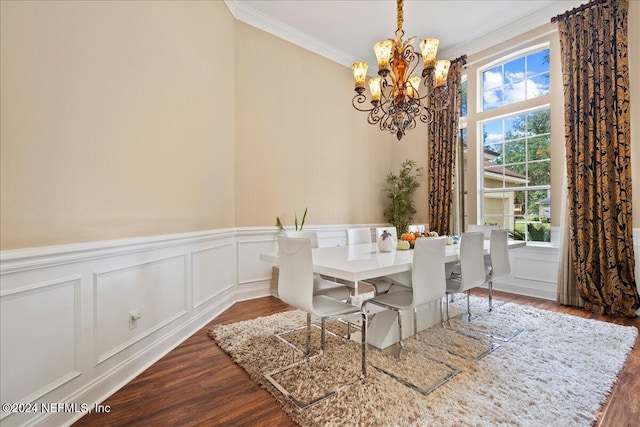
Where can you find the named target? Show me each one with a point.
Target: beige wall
(299, 142)
(117, 120)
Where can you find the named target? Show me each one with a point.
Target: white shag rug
(558, 371)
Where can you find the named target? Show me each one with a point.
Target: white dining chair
(357, 236)
(311, 235)
(472, 271)
(500, 265)
(484, 228)
(321, 285)
(362, 235)
(472, 274)
(428, 285)
(420, 228)
(428, 282)
(296, 288)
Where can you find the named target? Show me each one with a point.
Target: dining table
(359, 262)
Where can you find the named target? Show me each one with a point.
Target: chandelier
(397, 96)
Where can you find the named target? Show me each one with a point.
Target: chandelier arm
(426, 115)
(374, 116)
(361, 99)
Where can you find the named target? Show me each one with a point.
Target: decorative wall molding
(211, 270)
(111, 320)
(45, 335)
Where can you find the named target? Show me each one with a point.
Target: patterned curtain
(593, 41)
(443, 145)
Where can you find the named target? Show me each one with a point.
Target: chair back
(500, 265)
(420, 228)
(472, 266)
(295, 283)
(486, 229)
(311, 235)
(358, 235)
(428, 277)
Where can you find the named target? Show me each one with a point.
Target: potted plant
(400, 189)
(295, 223)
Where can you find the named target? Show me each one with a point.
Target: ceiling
(345, 30)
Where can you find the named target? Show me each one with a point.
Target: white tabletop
(364, 261)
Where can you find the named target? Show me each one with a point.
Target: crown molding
(255, 18)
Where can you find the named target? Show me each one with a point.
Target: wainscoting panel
(155, 290)
(42, 321)
(213, 271)
(250, 267)
(534, 271)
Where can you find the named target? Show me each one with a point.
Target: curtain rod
(576, 10)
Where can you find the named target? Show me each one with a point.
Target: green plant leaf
(304, 216)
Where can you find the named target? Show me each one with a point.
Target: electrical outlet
(134, 316)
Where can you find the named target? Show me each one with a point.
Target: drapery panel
(443, 144)
(593, 41)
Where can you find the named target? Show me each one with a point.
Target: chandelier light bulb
(442, 70)
(429, 48)
(360, 74)
(374, 87)
(383, 50)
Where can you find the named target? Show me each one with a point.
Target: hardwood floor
(198, 384)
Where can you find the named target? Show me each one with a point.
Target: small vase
(386, 243)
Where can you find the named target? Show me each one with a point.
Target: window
(514, 140)
(519, 79)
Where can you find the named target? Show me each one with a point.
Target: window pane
(519, 228)
(491, 99)
(538, 63)
(492, 132)
(539, 122)
(493, 153)
(519, 207)
(539, 148)
(515, 92)
(463, 101)
(514, 70)
(515, 126)
(539, 173)
(517, 175)
(492, 78)
(515, 151)
(538, 86)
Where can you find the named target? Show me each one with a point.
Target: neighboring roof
(500, 169)
(545, 201)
